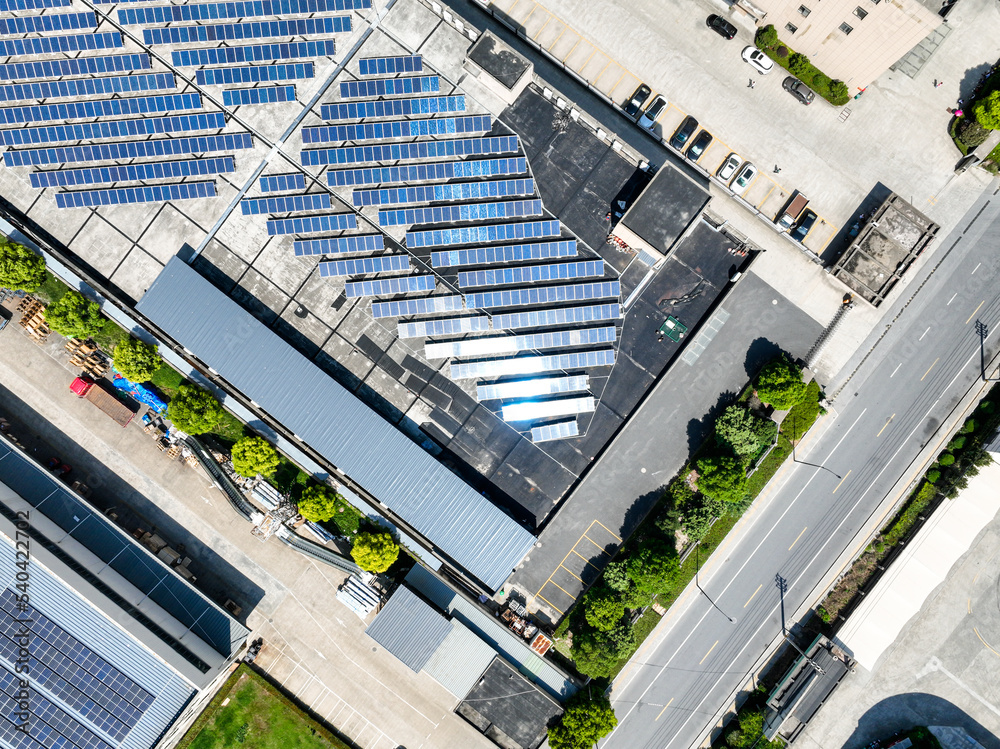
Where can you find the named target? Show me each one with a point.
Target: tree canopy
(587, 719)
(136, 360)
(743, 432)
(74, 316)
(20, 268)
(987, 111)
(780, 383)
(722, 478)
(375, 552)
(254, 455)
(653, 567)
(194, 410)
(603, 607)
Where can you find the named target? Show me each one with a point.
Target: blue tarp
(139, 392)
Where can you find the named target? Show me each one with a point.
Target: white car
(758, 60)
(653, 111)
(729, 167)
(746, 175)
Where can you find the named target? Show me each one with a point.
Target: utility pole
(782, 585)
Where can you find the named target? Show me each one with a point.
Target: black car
(685, 131)
(636, 101)
(696, 149)
(803, 226)
(798, 89)
(721, 26)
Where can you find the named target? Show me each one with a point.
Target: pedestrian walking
(777, 169)
(751, 84)
(937, 83)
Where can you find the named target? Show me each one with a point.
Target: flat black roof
(666, 208)
(497, 59)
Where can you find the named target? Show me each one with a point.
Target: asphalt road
(887, 412)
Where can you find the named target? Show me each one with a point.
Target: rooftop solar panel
(557, 316)
(442, 170)
(463, 212)
(128, 150)
(285, 204)
(445, 326)
(75, 66)
(9, 5)
(497, 345)
(133, 172)
(397, 129)
(543, 295)
(531, 273)
(50, 22)
(408, 307)
(254, 53)
(390, 65)
(387, 286)
(234, 97)
(255, 74)
(251, 30)
(339, 245)
(282, 182)
(422, 84)
(504, 253)
(409, 151)
(361, 265)
(112, 129)
(357, 110)
(86, 86)
(311, 224)
(126, 195)
(78, 110)
(435, 193)
(531, 364)
(44, 45)
(532, 388)
(480, 234)
(558, 431)
(538, 410)
(238, 9)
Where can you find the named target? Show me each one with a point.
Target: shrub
(933, 476)
(74, 316)
(136, 360)
(946, 459)
(782, 52)
(971, 133)
(375, 552)
(802, 415)
(586, 720)
(839, 94)
(824, 615)
(968, 427)
(956, 444)
(653, 567)
(987, 111)
(20, 268)
(798, 64)
(254, 455)
(603, 607)
(722, 478)
(780, 383)
(820, 83)
(766, 36)
(195, 410)
(744, 432)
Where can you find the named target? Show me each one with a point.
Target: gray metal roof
(409, 629)
(439, 505)
(460, 660)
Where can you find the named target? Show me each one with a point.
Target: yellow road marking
(754, 593)
(664, 708)
(543, 26)
(709, 652)
(607, 529)
(985, 644)
(574, 551)
(975, 310)
(886, 424)
(843, 480)
(566, 569)
(552, 582)
(796, 541)
(538, 595)
(970, 604)
(932, 365)
(556, 40)
(592, 541)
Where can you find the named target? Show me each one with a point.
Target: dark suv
(635, 102)
(803, 226)
(798, 89)
(721, 26)
(685, 131)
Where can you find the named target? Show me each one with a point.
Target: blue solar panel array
(147, 194)
(133, 172)
(32, 4)
(255, 74)
(113, 129)
(504, 253)
(253, 30)
(443, 327)
(77, 66)
(407, 307)
(253, 53)
(558, 431)
(421, 84)
(531, 273)
(408, 151)
(234, 97)
(86, 86)
(361, 265)
(463, 212)
(128, 150)
(543, 295)
(526, 364)
(282, 182)
(79, 110)
(338, 245)
(51, 22)
(386, 286)
(250, 9)
(455, 191)
(357, 110)
(444, 170)
(311, 224)
(397, 129)
(557, 316)
(44, 45)
(482, 234)
(285, 204)
(390, 65)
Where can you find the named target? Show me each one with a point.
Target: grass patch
(167, 379)
(229, 429)
(51, 290)
(110, 336)
(257, 716)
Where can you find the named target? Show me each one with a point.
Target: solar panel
(100, 108)
(362, 265)
(497, 345)
(133, 172)
(538, 410)
(252, 30)
(128, 150)
(86, 86)
(234, 97)
(254, 73)
(443, 326)
(504, 253)
(531, 364)
(44, 45)
(386, 286)
(147, 194)
(76, 66)
(477, 123)
(253, 53)
(285, 204)
(408, 307)
(409, 151)
(214, 11)
(311, 224)
(420, 84)
(543, 295)
(390, 65)
(462, 212)
(557, 316)
(112, 129)
(339, 245)
(477, 234)
(531, 273)
(282, 182)
(32, 4)
(532, 388)
(558, 431)
(442, 170)
(50, 22)
(455, 191)
(357, 110)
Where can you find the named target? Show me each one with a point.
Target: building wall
(890, 29)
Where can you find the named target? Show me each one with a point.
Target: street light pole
(782, 585)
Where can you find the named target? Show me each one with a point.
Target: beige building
(854, 41)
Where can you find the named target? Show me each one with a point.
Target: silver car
(729, 167)
(653, 111)
(746, 175)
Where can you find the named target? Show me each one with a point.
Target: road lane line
(795, 541)
(574, 551)
(664, 709)
(539, 595)
(931, 367)
(709, 652)
(975, 311)
(924, 333)
(952, 298)
(754, 594)
(843, 480)
(566, 569)
(896, 369)
(974, 270)
(888, 421)
(562, 589)
(607, 529)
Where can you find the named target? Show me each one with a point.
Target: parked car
(729, 167)
(758, 60)
(4, 318)
(721, 26)
(653, 111)
(744, 177)
(787, 218)
(696, 149)
(635, 102)
(804, 225)
(798, 89)
(685, 131)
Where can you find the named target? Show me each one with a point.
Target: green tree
(20, 268)
(654, 567)
(374, 552)
(798, 64)
(839, 92)
(603, 607)
(318, 503)
(766, 37)
(987, 111)
(743, 432)
(722, 478)
(254, 455)
(699, 514)
(780, 383)
(195, 410)
(74, 316)
(597, 654)
(587, 719)
(136, 360)
(616, 576)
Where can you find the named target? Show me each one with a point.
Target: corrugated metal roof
(409, 629)
(438, 504)
(460, 660)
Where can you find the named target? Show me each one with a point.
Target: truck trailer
(85, 387)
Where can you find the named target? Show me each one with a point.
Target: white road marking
(974, 270)
(952, 298)
(896, 369)
(924, 333)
